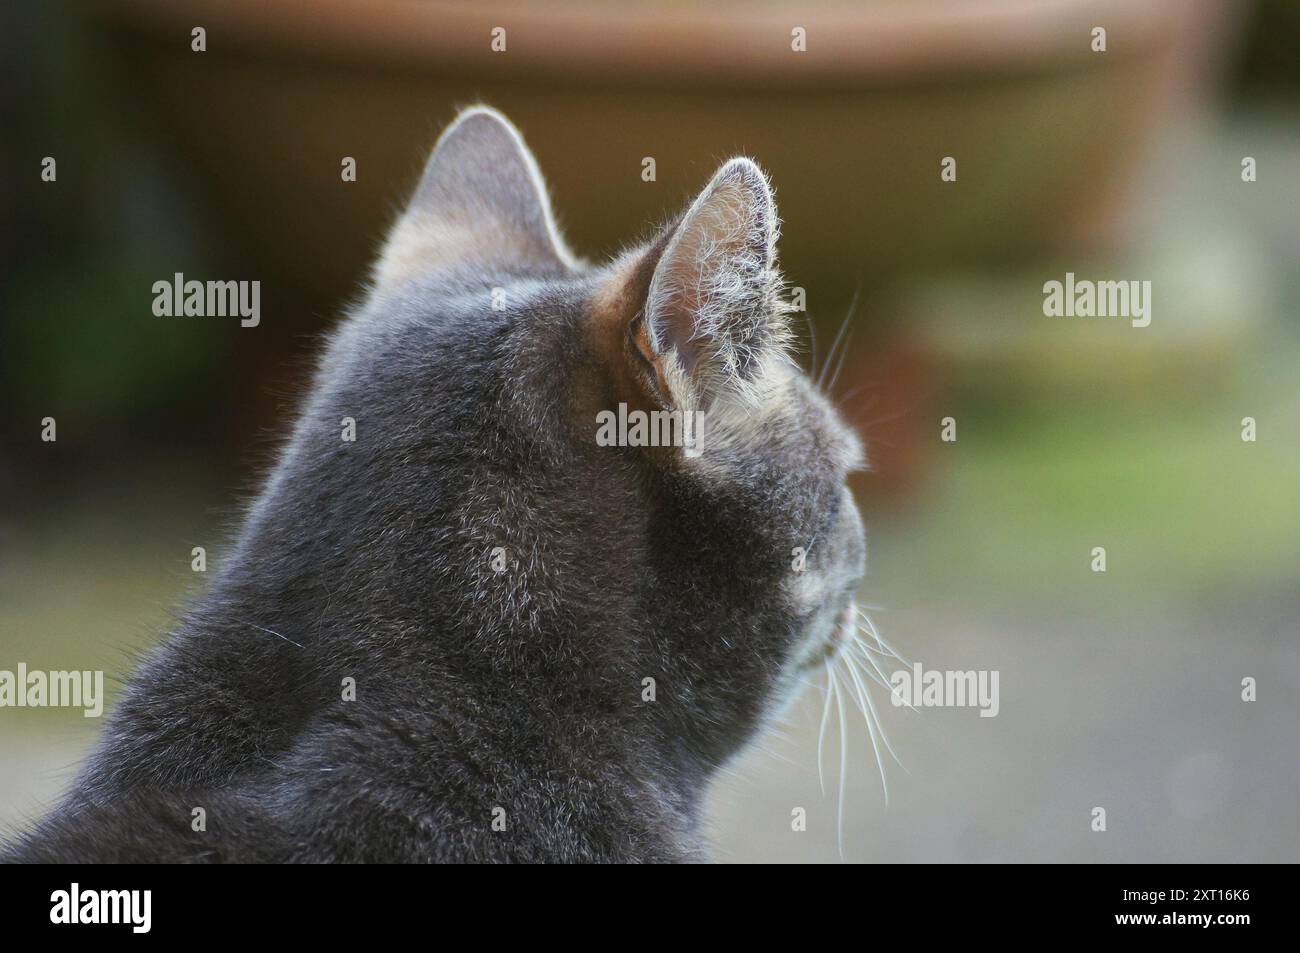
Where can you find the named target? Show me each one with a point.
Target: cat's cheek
(808, 596)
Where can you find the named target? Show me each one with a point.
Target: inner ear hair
(713, 307)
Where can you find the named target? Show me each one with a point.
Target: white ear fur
(714, 309)
(481, 200)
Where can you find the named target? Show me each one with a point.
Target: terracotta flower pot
(853, 129)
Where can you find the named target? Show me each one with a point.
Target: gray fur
(477, 690)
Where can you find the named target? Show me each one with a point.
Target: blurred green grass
(1182, 505)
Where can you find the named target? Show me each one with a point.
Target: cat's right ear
(481, 201)
(699, 311)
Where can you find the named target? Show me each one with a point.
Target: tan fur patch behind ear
(613, 309)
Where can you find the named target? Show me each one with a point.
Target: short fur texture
(474, 372)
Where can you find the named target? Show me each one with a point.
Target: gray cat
(477, 631)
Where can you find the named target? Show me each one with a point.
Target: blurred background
(1119, 690)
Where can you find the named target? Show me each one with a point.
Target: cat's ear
(480, 201)
(714, 321)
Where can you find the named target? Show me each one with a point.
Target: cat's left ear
(481, 202)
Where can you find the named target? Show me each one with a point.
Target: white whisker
(839, 820)
(865, 650)
(875, 674)
(839, 336)
(883, 737)
(880, 639)
(883, 653)
(868, 713)
(821, 731)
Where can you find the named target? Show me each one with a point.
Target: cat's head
(509, 488)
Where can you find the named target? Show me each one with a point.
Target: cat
(473, 632)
